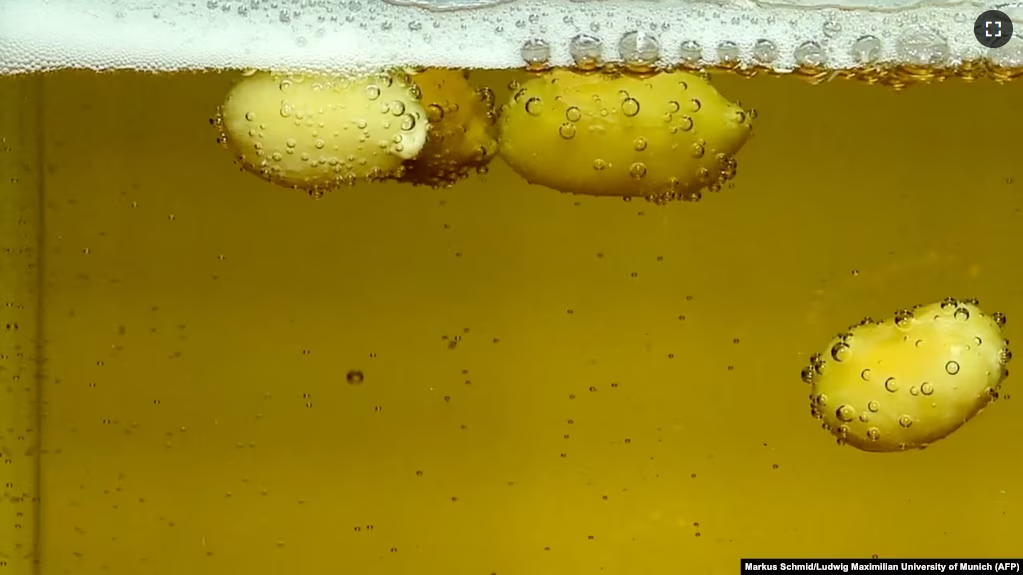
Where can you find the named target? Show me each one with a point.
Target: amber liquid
(548, 384)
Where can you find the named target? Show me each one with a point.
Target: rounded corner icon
(993, 28)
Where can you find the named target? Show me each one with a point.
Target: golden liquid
(550, 385)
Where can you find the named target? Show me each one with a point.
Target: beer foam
(361, 35)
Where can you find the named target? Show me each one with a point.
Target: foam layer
(347, 36)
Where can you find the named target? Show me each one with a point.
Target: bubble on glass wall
(911, 379)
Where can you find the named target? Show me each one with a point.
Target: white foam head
(349, 36)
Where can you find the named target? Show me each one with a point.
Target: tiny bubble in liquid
(355, 377)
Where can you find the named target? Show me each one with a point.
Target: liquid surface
(498, 378)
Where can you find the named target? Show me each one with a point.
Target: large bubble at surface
(663, 136)
(909, 380)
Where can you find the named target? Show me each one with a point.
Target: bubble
(637, 170)
(831, 28)
(697, 150)
(952, 367)
(865, 375)
(845, 413)
(903, 318)
(639, 144)
(927, 388)
(840, 351)
(998, 318)
(873, 406)
(355, 377)
(873, 434)
(913, 390)
(905, 421)
(949, 303)
(1004, 356)
(765, 51)
(691, 53)
(891, 385)
(728, 52)
(630, 107)
(586, 51)
(808, 375)
(922, 46)
(372, 91)
(572, 114)
(567, 130)
(810, 54)
(533, 106)
(599, 164)
(695, 105)
(639, 50)
(536, 53)
(962, 314)
(435, 112)
(866, 50)
(685, 123)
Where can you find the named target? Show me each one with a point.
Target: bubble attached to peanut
(320, 132)
(463, 131)
(666, 136)
(910, 380)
